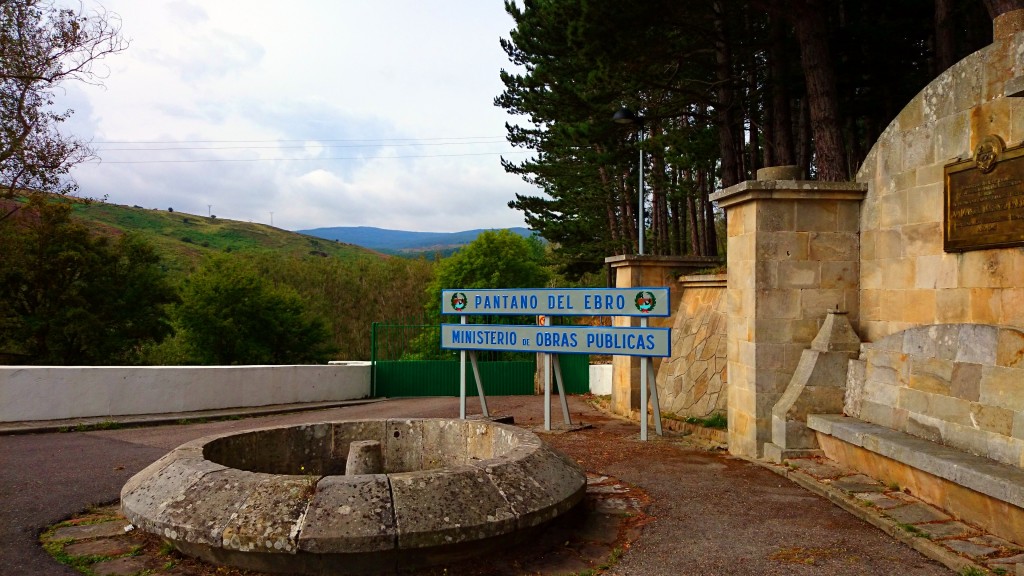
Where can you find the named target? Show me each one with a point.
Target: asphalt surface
(713, 514)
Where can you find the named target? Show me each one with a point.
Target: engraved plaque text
(985, 209)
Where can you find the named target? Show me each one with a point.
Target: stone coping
(751, 190)
(703, 281)
(657, 260)
(1000, 481)
(448, 488)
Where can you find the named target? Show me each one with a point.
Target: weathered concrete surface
(818, 386)
(261, 499)
(364, 457)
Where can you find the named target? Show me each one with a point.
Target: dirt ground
(698, 512)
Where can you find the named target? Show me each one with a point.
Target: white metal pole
(479, 384)
(462, 380)
(640, 193)
(655, 403)
(547, 391)
(561, 391)
(643, 390)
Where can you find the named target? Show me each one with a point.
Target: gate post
(794, 254)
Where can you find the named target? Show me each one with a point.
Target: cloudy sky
(322, 112)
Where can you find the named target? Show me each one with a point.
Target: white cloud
(324, 113)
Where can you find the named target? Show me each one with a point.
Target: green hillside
(183, 239)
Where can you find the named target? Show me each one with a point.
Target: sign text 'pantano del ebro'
(650, 302)
(558, 339)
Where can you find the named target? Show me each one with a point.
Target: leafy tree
(230, 314)
(72, 297)
(350, 295)
(496, 259)
(42, 45)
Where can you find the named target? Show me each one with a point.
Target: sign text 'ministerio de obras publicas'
(558, 339)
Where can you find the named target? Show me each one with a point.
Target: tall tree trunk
(945, 48)
(626, 203)
(710, 234)
(693, 214)
(1000, 7)
(823, 98)
(614, 226)
(726, 123)
(803, 144)
(781, 143)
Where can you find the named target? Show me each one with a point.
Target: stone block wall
(906, 278)
(957, 384)
(692, 382)
(639, 271)
(793, 255)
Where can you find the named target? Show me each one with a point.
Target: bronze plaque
(984, 200)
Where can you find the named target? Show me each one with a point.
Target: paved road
(714, 515)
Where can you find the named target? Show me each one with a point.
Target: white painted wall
(53, 393)
(601, 379)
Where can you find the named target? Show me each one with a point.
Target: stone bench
(972, 488)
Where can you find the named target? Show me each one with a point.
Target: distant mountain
(401, 241)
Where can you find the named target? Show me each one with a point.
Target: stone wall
(793, 255)
(692, 382)
(955, 384)
(906, 278)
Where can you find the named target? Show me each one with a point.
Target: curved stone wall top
(905, 278)
(447, 483)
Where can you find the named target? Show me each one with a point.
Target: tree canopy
(72, 297)
(496, 259)
(722, 88)
(230, 314)
(42, 45)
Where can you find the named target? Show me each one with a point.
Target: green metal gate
(407, 361)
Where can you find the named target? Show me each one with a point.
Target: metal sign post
(462, 381)
(643, 341)
(647, 369)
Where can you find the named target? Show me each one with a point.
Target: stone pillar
(639, 271)
(793, 254)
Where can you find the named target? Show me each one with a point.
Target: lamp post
(626, 116)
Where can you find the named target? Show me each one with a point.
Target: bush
(71, 297)
(229, 314)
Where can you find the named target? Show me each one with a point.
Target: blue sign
(639, 341)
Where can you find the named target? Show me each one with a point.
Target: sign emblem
(459, 301)
(645, 301)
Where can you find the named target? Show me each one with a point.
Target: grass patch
(717, 420)
(84, 427)
(910, 528)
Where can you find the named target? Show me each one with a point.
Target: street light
(626, 116)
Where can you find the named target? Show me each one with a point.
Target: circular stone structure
(425, 491)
